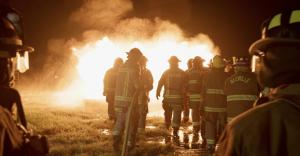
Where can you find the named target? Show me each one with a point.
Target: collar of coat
(291, 89)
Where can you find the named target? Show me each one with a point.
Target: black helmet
(282, 28)
(11, 32)
(241, 61)
(276, 55)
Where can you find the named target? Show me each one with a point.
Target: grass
(84, 130)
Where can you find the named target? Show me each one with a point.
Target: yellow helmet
(217, 62)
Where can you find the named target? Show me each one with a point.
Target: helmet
(282, 28)
(118, 61)
(217, 62)
(198, 60)
(276, 54)
(190, 63)
(134, 52)
(241, 61)
(174, 59)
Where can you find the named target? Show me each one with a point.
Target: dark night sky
(232, 25)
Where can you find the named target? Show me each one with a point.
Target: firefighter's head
(118, 62)
(174, 62)
(198, 62)
(276, 55)
(217, 62)
(241, 64)
(134, 54)
(12, 48)
(190, 63)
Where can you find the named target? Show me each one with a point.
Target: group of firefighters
(212, 95)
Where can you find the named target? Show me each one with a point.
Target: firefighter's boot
(176, 136)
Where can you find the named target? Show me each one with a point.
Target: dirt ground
(83, 129)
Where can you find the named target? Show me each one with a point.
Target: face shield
(256, 60)
(22, 61)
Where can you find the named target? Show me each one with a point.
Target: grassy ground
(83, 130)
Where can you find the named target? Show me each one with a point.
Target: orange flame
(96, 58)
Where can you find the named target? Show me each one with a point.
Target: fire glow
(94, 59)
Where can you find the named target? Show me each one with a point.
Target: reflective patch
(123, 98)
(196, 123)
(295, 16)
(215, 91)
(173, 96)
(210, 141)
(241, 98)
(196, 97)
(275, 22)
(212, 109)
(193, 81)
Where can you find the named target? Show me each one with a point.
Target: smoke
(103, 14)
(114, 19)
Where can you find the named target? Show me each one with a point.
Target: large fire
(95, 58)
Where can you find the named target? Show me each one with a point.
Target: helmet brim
(262, 44)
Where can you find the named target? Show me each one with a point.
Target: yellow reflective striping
(212, 109)
(295, 16)
(123, 98)
(195, 98)
(173, 96)
(275, 22)
(193, 81)
(215, 91)
(196, 123)
(241, 98)
(210, 141)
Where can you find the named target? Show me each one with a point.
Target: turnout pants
(214, 125)
(120, 124)
(172, 112)
(110, 108)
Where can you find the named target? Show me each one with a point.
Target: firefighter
(194, 92)
(12, 52)
(143, 99)
(241, 88)
(214, 101)
(127, 85)
(273, 127)
(109, 82)
(186, 110)
(174, 82)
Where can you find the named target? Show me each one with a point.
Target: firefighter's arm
(229, 143)
(150, 81)
(160, 85)
(21, 114)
